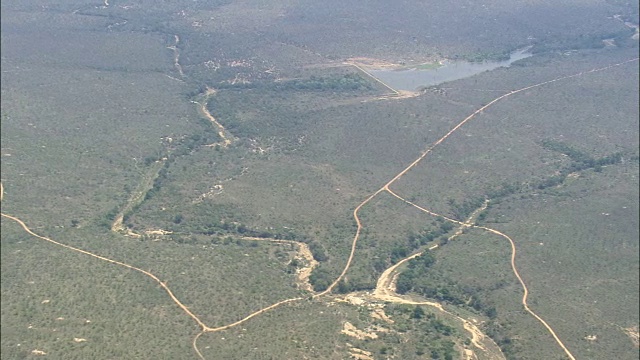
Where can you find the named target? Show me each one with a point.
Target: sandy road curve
(387, 280)
(525, 290)
(176, 55)
(386, 290)
(222, 132)
(203, 326)
(303, 251)
(513, 268)
(155, 278)
(247, 318)
(385, 286)
(118, 227)
(136, 197)
(429, 149)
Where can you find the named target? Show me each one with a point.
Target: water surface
(413, 79)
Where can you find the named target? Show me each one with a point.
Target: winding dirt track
(513, 268)
(137, 196)
(176, 56)
(305, 253)
(425, 153)
(117, 226)
(226, 141)
(385, 286)
(205, 328)
(386, 291)
(304, 250)
(155, 278)
(434, 145)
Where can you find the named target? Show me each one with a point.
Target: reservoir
(416, 78)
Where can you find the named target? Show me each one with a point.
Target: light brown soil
(632, 333)
(304, 254)
(350, 330)
(222, 132)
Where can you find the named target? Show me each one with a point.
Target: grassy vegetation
(220, 282)
(541, 171)
(98, 121)
(51, 296)
(554, 260)
(428, 66)
(592, 240)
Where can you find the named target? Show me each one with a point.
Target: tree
(492, 312)
(317, 251)
(404, 283)
(177, 219)
(343, 287)
(418, 313)
(320, 279)
(398, 253)
(427, 259)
